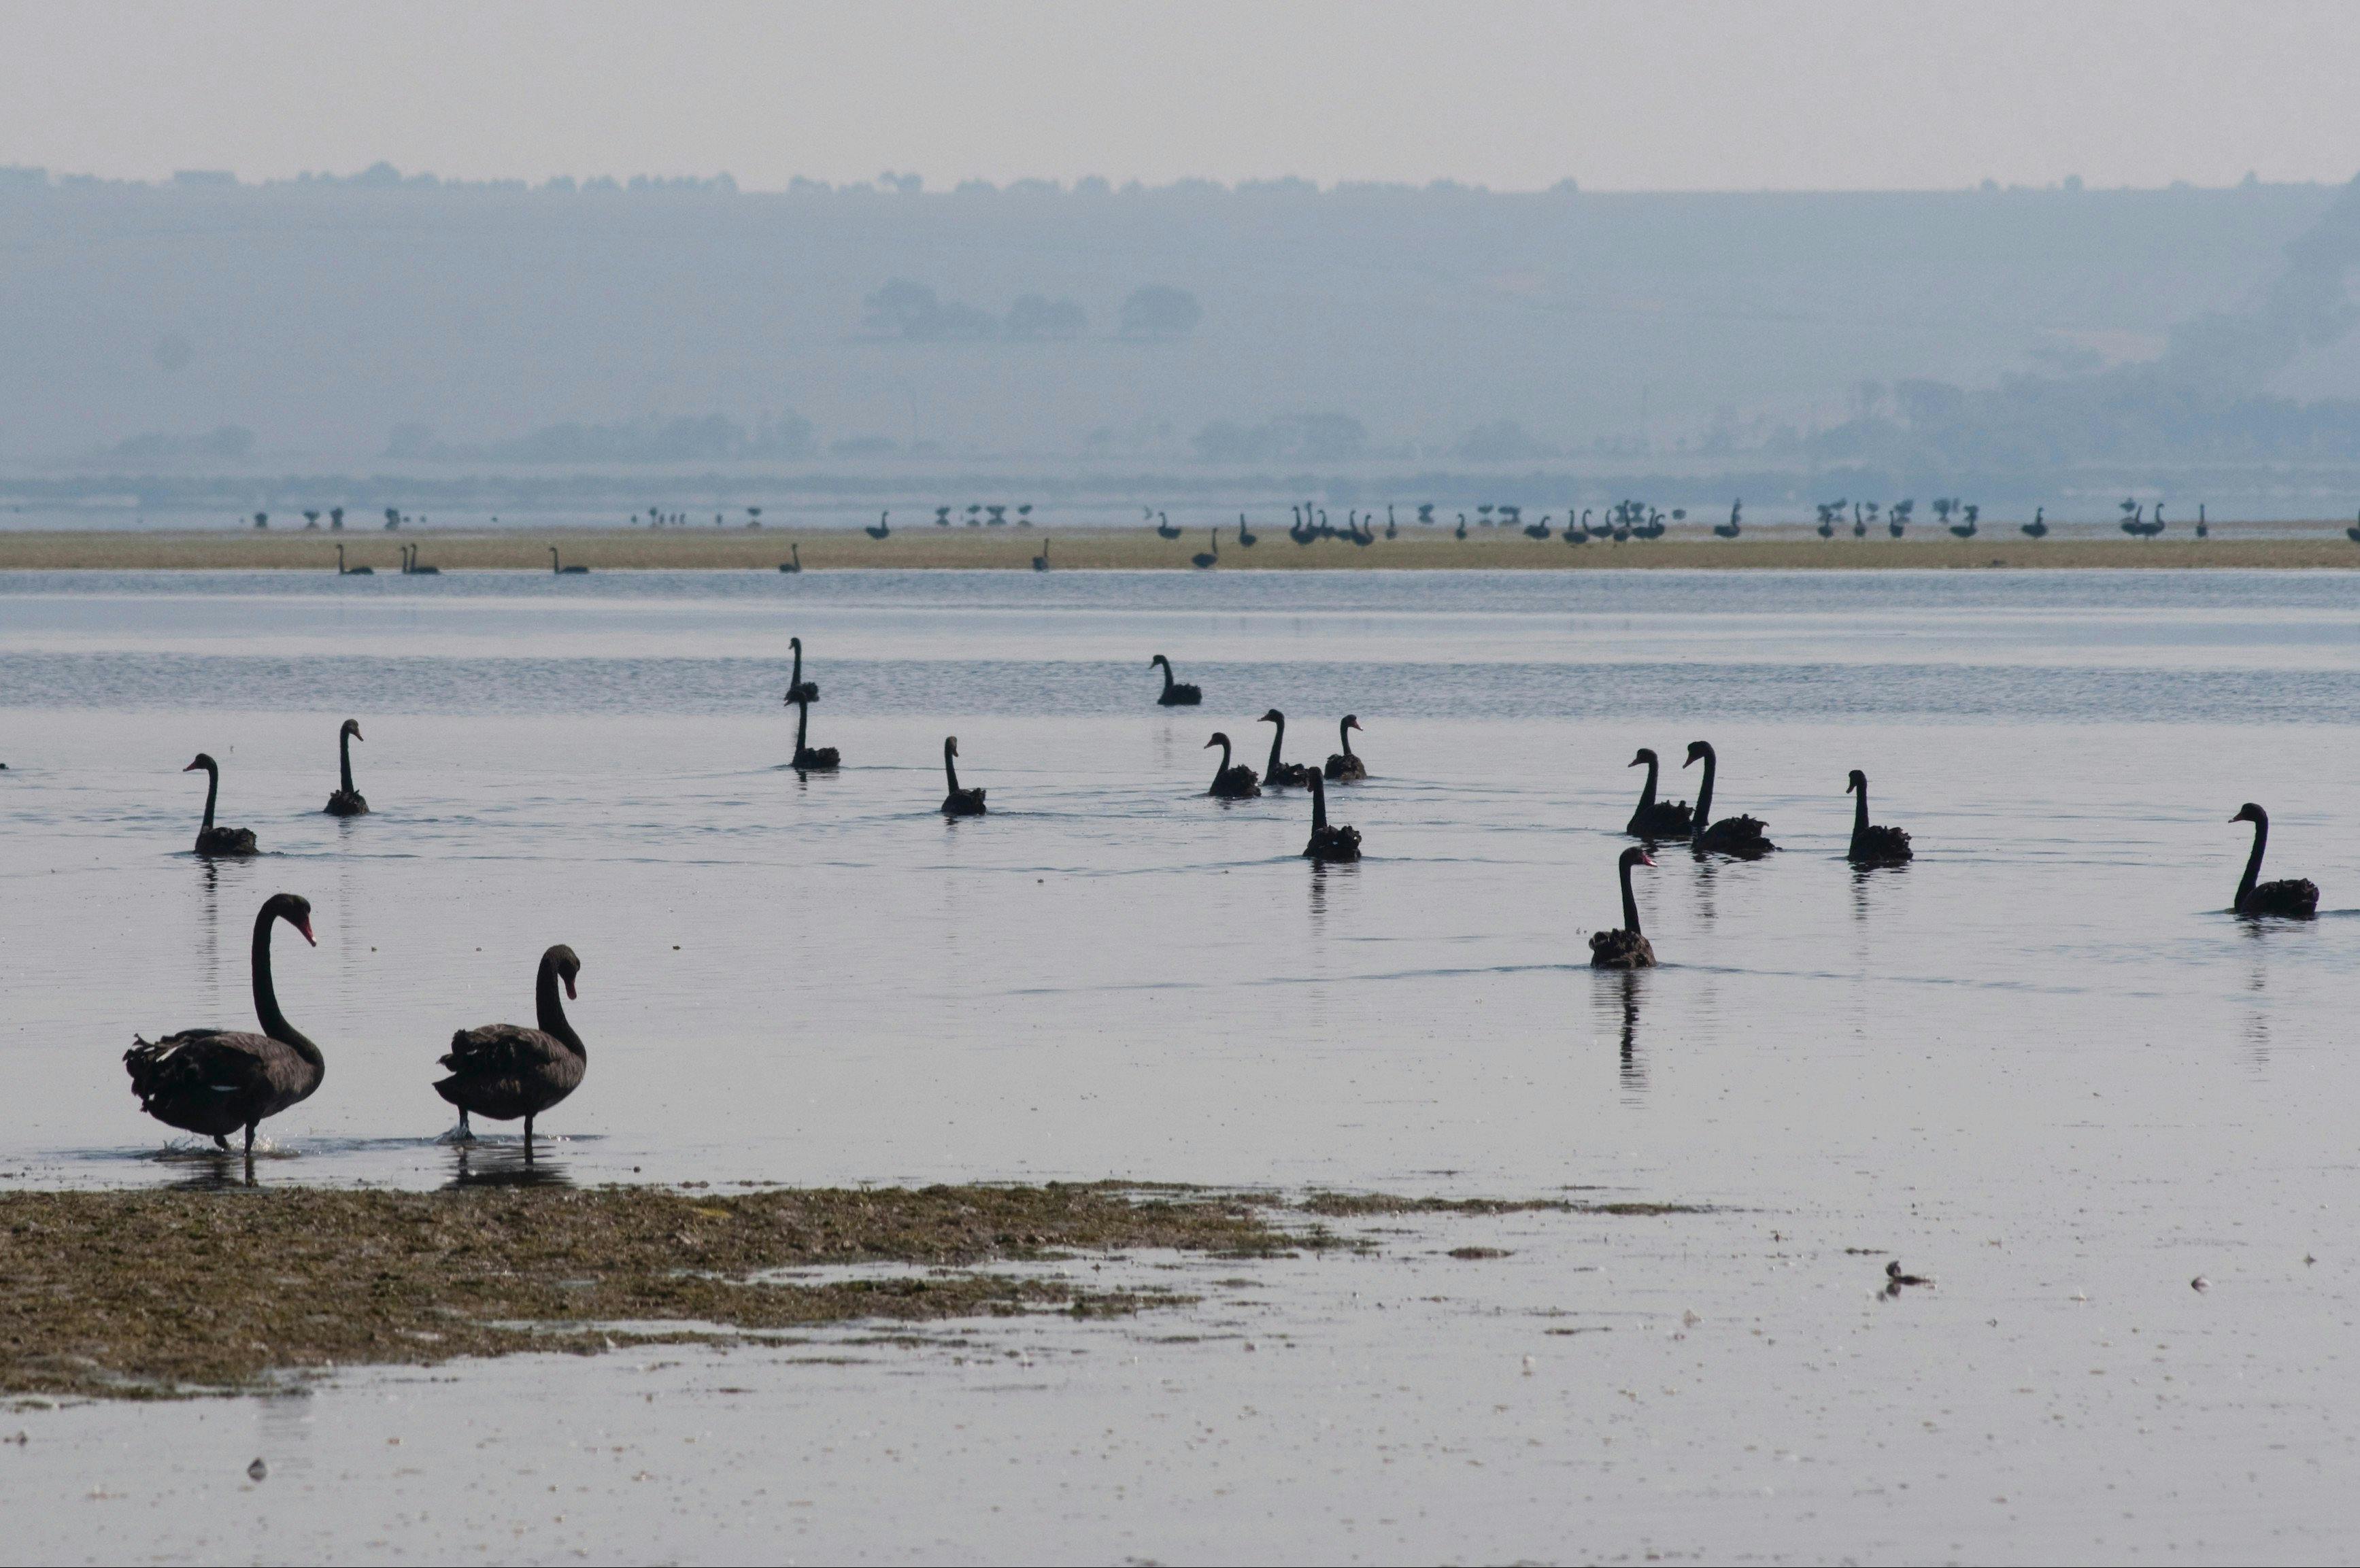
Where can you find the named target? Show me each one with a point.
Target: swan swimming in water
(1230, 782)
(1330, 843)
(1279, 775)
(1626, 948)
(1653, 819)
(1741, 836)
(1343, 767)
(348, 802)
(1871, 844)
(958, 802)
(1176, 694)
(2297, 898)
(210, 839)
(823, 760)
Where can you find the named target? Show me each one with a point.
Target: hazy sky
(1667, 94)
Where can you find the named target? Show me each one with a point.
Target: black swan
(958, 802)
(825, 759)
(2297, 898)
(1206, 560)
(1626, 948)
(1738, 836)
(1176, 694)
(1247, 537)
(1041, 561)
(798, 688)
(1343, 767)
(410, 567)
(1330, 842)
(1279, 774)
(211, 840)
(1163, 528)
(504, 1071)
(2038, 527)
(343, 571)
(1729, 530)
(560, 570)
(1873, 846)
(348, 802)
(215, 1081)
(882, 528)
(794, 561)
(1653, 819)
(1229, 783)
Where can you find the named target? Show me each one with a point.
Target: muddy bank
(151, 1294)
(924, 548)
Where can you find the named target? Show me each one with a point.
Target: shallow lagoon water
(2040, 1063)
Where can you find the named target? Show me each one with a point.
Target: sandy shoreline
(1126, 549)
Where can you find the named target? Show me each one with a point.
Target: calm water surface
(2041, 1063)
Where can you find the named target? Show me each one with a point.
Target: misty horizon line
(383, 175)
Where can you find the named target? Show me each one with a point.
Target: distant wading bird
(1740, 836)
(1230, 783)
(1729, 530)
(2297, 898)
(348, 802)
(794, 561)
(882, 528)
(958, 802)
(1041, 561)
(1279, 774)
(1176, 694)
(210, 839)
(561, 569)
(1330, 843)
(213, 1081)
(410, 567)
(1626, 948)
(1871, 844)
(1652, 818)
(2038, 527)
(1343, 767)
(343, 571)
(501, 1072)
(1206, 560)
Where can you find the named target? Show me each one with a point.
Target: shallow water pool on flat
(2040, 1063)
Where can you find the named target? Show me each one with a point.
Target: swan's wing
(502, 1050)
(200, 1063)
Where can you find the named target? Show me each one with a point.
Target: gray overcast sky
(1671, 94)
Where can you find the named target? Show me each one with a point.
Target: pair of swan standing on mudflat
(216, 1082)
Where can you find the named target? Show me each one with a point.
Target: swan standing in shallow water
(1741, 836)
(563, 570)
(1873, 846)
(1330, 843)
(1343, 767)
(215, 1081)
(825, 759)
(2297, 898)
(1281, 774)
(504, 1071)
(211, 840)
(958, 802)
(1653, 819)
(1176, 694)
(1626, 948)
(348, 802)
(1231, 783)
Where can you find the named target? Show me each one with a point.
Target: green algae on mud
(152, 1294)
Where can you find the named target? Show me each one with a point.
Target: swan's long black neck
(1223, 769)
(1648, 794)
(1277, 739)
(266, 995)
(1704, 790)
(1167, 675)
(803, 724)
(549, 1008)
(1860, 817)
(797, 678)
(950, 767)
(213, 792)
(1629, 903)
(344, 757)
(2253, 861)
(1344, 731)
(1318, 803)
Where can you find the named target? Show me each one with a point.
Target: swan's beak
(192, 768)
(1632, 763)
(569, 989)
(303, 923)
(1646, 860)
(357, 733)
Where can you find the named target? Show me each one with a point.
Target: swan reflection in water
(1623, 994)
(504, 1164)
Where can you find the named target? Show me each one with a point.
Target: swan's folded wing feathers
(198, 1061)
(498, 1050)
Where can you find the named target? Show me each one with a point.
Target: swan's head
(1351, 721)
(950, 746)
(1698, 749)
(1855, 780)
(1272, 717)
(2248, 812)
(352, 728)
(560, 958)
(204, 763)
(1219, 739)
(796, 642)
(1634, 856)
(1159, 659)
(1647, 755)
(296, 910)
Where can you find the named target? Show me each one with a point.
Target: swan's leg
(527, 1130)
(221, 1143)
(250, 1140)
(466, 1133)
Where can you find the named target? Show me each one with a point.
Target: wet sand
(1132, 549)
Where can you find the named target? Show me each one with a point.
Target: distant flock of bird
(218, 1082)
